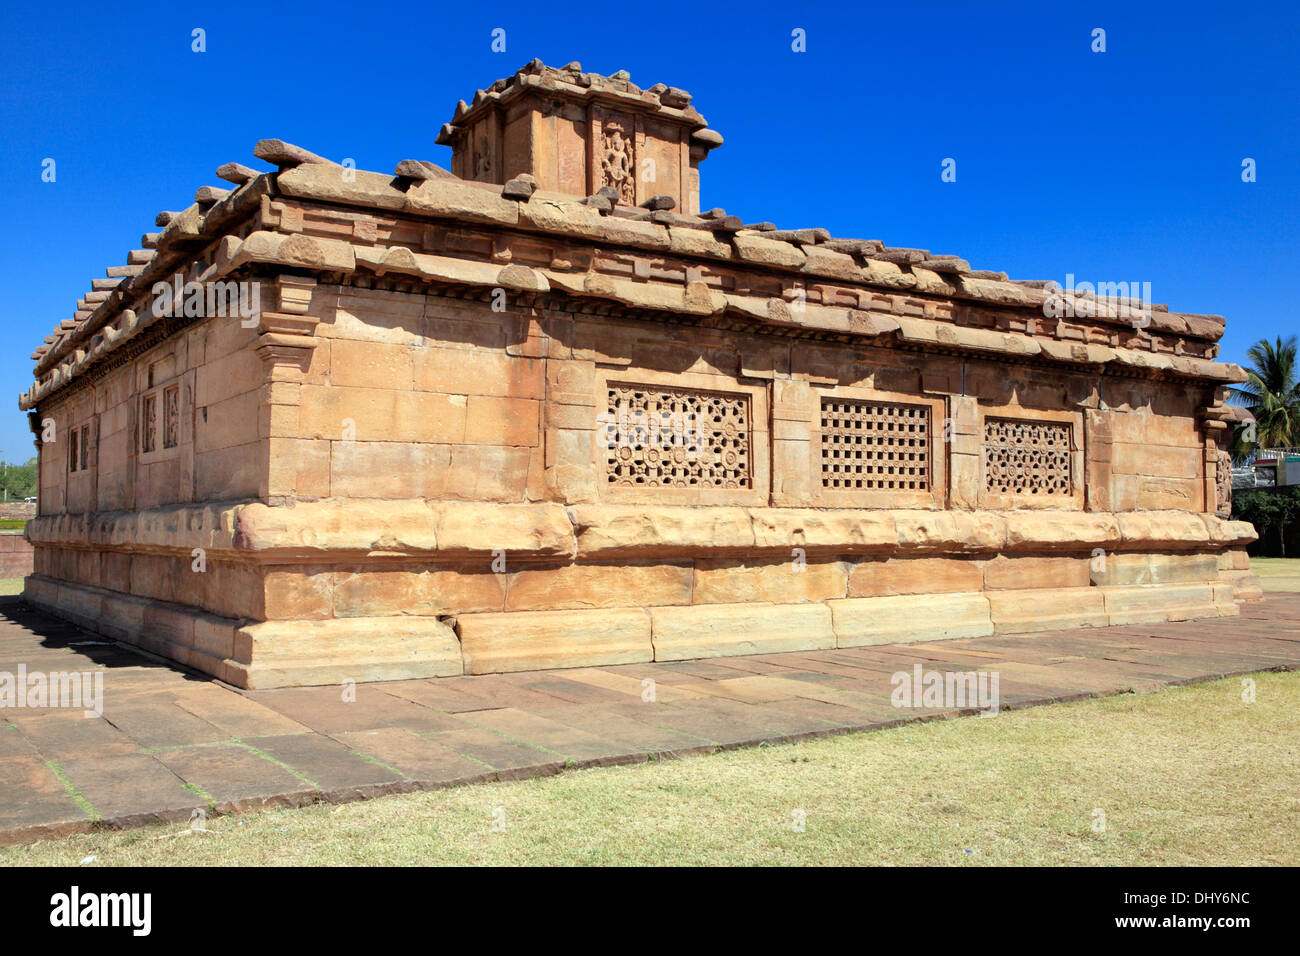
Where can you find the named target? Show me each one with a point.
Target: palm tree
(1272, 393)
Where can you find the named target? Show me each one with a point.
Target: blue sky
(1115, 166)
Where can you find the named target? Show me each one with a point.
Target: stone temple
(540, 411)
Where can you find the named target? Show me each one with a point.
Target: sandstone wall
(15, 555)
(411, 396)
(179, 423)
(438, 487)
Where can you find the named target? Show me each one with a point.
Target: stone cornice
(878, 292)
(460, 530)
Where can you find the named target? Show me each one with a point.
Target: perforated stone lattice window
(1027, 458)
(881, 446)
(660, 437)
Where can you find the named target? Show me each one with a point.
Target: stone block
(903, 575)
(467, 526)
(494, 420)
(361, 364)
(1047, 609)
(719, 630)
(596, 585)
(536, 640)
(627, 530)
(844, 530)
(1245, 584)
(1171, 529)
(381, 415)
(383, 469)
(1070, 531)
(950, 530)
(908, 619)
(739, 580)
(296, 653)
(1012, 572)
(423, 592)
(482, 372)
(486, 473)
(299, 593)
(1152, 604)
(1137, 568)
(1234, 559)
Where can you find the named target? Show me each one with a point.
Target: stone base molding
(309, 652)
(287, 653)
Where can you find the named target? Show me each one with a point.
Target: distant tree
(1272, 393)
(1270, 510)
(18, 480)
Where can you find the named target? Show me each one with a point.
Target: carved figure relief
(1223, 483)
(171, 415)
(618, 161)
(149, 423)
(482, 161)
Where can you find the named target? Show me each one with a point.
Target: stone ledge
(210, 526)
(293, 653)
(257, 656)
(547, 529)
(177, 632)
(605, 531)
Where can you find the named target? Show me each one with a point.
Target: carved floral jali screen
(1027, 457)
(676, 438)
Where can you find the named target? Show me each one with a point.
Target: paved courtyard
(170, 742)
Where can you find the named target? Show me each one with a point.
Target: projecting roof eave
(115, 309)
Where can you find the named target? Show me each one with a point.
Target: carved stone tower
(577, 132)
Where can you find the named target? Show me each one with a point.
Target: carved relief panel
(617, 152)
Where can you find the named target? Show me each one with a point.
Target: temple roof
(115, 309)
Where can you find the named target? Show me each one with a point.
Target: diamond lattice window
(1027, 458)
(676, 438)
(875, 446)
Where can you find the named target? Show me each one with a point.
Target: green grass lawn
(1277, 574)
(1189, 775)
(10, 586)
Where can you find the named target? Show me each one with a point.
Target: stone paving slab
(170, 741)
(414, 756)
(328, 763)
